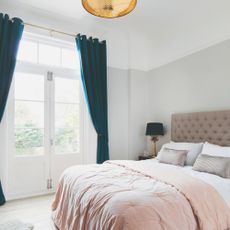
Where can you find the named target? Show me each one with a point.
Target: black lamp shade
(154, 129)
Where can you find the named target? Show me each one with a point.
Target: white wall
(199, 82)
(127, 100)
(118, 100)
(138, 112)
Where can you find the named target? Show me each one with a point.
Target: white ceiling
(150, 16)
(172, 27)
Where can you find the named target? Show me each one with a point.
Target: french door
(45, 126)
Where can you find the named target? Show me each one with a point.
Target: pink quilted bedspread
(127, 195)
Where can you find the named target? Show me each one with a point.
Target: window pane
(70, 59)
(67, 141)
(35, 91)
(29, 141)
(66, 128)
(28, 51)
(29, 128)
(49, 55)
(66, 90)
(29, 114)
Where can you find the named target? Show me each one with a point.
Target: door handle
(51, 142)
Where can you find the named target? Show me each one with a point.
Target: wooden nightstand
(140, 158)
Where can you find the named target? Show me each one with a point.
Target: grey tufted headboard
(213, 127)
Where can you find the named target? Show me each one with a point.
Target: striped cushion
(213, 164)
(172, 156)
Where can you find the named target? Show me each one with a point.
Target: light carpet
(15, 225)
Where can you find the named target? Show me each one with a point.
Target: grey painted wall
(199, 82)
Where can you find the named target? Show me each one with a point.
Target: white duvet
(222, 185)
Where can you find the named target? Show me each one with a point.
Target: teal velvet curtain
(93, 62)
(10, 34)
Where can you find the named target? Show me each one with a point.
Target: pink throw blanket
(127, 195)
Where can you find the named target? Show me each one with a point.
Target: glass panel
(29, 113)
(66, 128)
(66, 90)
(67, 141)
(35, 91)
(70, 59)
(49, 55)
(29, 141)
(29, 127)
(28, 51)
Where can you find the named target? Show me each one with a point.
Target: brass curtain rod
(55, 31)
(49, 29)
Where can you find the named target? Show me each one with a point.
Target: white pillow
(215, 150)
(194, 149)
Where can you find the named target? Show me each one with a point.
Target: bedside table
(140, 158)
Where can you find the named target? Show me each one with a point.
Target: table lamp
(154, 129)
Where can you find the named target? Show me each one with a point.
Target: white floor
(36, 211)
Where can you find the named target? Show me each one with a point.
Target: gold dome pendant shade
(109, 8)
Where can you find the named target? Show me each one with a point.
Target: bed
(144, 195)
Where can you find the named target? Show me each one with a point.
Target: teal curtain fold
(10, 34)
(93, 61)
(2, 197)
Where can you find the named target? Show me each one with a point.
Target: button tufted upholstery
(213, 127)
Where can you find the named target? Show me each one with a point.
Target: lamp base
(154, 139)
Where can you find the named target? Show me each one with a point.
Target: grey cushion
(194, 149)
(213, 164)
(172, 156)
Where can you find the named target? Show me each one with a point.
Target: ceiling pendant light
(109, 8)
